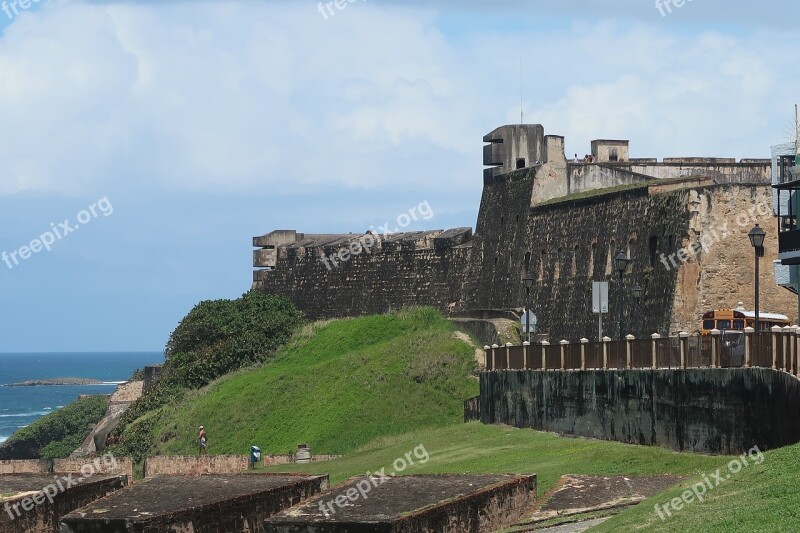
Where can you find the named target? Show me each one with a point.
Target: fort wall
(725, 411)
(564, 222)
(403, 271)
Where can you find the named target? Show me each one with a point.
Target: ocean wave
(3, 438)
(34, 413)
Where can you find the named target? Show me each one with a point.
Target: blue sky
(205, 123)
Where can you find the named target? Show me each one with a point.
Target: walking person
(203, 440)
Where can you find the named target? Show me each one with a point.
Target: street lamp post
(637, 293)
(757, 236)
(528, 280)
(621, 261)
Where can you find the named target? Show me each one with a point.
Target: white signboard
(524, 321)
(599, 297)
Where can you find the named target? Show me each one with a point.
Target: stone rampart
(725, 411)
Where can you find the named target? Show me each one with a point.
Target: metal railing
(778, 349)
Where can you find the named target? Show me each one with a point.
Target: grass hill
(475, 448)
(335, 385)
(58, 434)
(759, 497)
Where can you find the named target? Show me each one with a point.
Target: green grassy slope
(335, 386)
(760, 497)
(58, 434)
(477, 448)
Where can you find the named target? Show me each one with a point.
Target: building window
(653, 249)
(574, 269)
(557, 265)
(520, 163)
(612, 155)
(541, 264)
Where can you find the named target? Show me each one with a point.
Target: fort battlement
(562, 220)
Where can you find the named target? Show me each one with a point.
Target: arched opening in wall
(542, 261)
(557, 264)
(652, 249)
(495, 261)
(574, 268)
(592, 252)
(610, 259)
(502, 220)
(612, 155)
(527, 265)
(629, 251)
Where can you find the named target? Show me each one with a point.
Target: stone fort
(682, 221)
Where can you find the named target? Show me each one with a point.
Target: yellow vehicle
(731, 324)
(738, 319)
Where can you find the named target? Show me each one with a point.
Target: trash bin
(255, 455)
(303, 454)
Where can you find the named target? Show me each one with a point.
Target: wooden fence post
(715, 336)
(776, 331)
(563, 344)
(684, 343)
(584, 342)
(655, 337)
(494, 356)
(629, 351)
(796, 350)
(487, 357)
(526, 346)
(606, 340)
(787, 349)
(748, 346)
(508, 356)
(545, 344)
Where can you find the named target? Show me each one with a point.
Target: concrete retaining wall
(725, 411)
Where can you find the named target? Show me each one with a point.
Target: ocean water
(19, 406)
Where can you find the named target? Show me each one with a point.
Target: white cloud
(242, 96)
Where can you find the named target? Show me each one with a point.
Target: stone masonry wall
(722, 274)
(121, 465)
(171, 465)
(726, 411)
(25, 466)
(369, 283)
(569, 244)
(45, 517)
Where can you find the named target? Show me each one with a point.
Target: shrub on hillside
(58, 434)
(216, 338)
(220, 336)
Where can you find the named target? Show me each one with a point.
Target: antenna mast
(521, 96)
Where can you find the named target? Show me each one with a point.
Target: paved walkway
(577, 527)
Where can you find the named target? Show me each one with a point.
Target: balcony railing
(778, 349)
